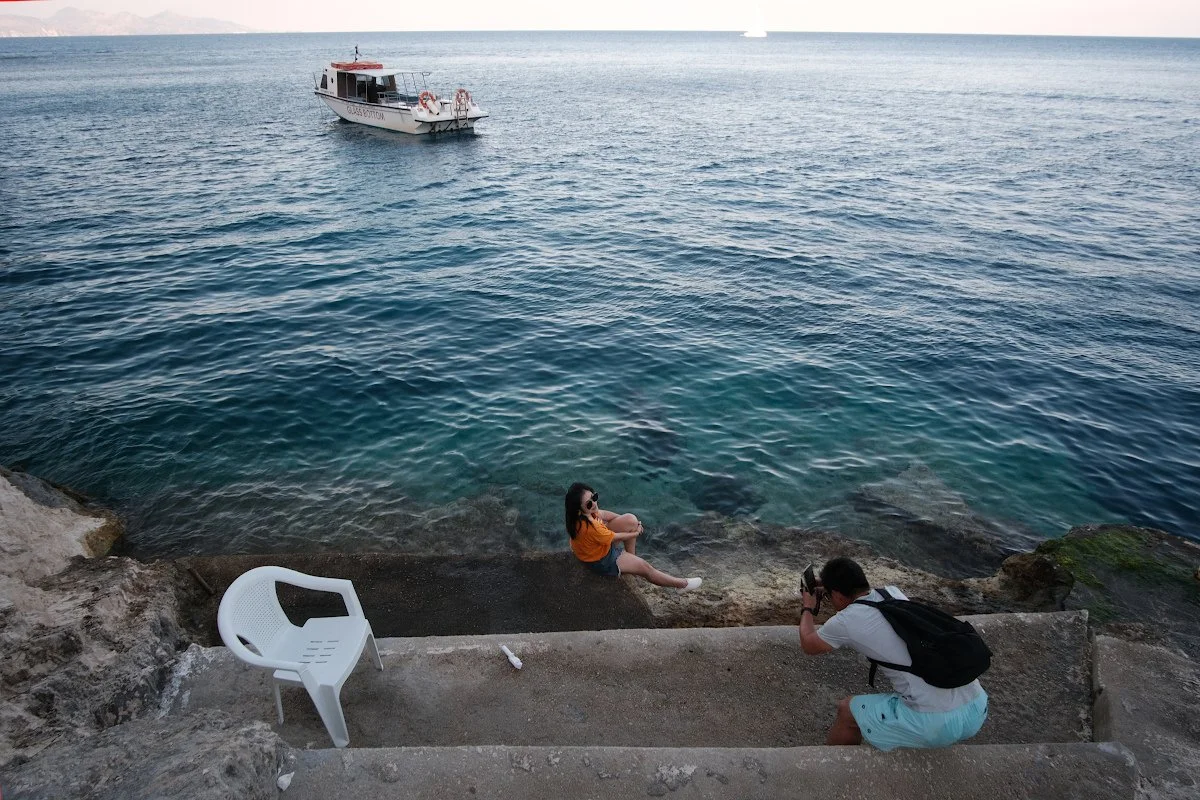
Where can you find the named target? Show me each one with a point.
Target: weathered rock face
(84, 643)
(205, 756)
(1135, 582)
(752, 574)
(42, 528)
(92, 648)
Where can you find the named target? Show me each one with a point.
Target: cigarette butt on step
(512, 659)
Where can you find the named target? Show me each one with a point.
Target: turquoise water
(700, 272)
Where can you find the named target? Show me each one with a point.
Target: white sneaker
(693, 583)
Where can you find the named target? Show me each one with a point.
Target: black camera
(813, 586)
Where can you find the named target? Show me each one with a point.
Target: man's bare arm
(810, 643)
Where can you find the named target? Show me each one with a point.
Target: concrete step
(1146, 698)
(987, 772)
(699, 687)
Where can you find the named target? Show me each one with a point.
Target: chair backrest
(250, 610)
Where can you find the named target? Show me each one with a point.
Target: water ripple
(250, 327)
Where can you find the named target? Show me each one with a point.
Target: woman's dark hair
(575, 506)
(844, 575)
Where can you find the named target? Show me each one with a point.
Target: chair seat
(331, 646)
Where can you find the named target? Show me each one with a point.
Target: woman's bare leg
(635, 565)
(626, 523)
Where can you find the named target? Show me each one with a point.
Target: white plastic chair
(319, 656)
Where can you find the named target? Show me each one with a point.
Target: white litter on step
(284, 781)
(512, 659)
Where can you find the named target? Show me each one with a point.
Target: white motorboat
(399, 100)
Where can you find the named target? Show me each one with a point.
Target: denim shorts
(887, 723)
(607, 566)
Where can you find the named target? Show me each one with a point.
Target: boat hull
(403, 118)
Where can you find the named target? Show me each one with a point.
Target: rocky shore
(90, 642)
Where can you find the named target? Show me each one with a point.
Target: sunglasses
(593, 501)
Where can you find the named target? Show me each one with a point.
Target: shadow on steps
(435, 595)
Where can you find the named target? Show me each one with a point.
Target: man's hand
(810, 642)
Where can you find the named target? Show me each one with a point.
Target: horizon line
(735, 31)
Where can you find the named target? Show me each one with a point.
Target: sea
(705, 274)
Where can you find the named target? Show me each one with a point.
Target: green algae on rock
(1095, 554)
(1144, 553)
(1130, 575)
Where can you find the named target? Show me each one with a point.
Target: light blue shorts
(887, 723)
(607, 566)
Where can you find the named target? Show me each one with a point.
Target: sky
(1037, 17)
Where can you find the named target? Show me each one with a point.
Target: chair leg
(374, 651)
(278, 702)
(329, 706)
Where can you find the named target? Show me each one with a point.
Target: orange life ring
(462, 100)
(428, 101)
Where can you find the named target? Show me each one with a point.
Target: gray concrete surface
(1148, 698)
(987, 772)
(437, 595)
(698, 687)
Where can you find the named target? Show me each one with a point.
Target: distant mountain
(76, 22)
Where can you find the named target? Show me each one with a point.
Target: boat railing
(414, 83)
(397, 99)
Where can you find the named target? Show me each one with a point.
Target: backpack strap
(875, 665)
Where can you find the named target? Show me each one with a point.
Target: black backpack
(946, 652)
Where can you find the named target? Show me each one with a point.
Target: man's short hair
(844, 575)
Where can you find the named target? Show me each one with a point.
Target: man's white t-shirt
(866, 630)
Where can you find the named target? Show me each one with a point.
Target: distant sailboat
(759, 31)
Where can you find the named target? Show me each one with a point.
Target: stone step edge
(1092, 770)
(480, 639)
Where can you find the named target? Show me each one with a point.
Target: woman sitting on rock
(598, 538)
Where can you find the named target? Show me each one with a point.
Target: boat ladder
(461, 108)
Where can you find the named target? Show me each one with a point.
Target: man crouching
(916, 714)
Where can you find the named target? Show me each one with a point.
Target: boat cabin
(369, 82)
